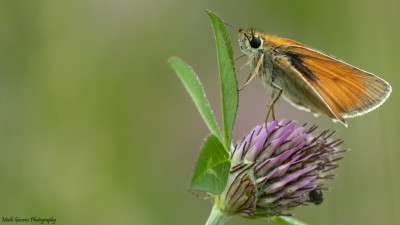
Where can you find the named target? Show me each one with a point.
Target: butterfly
(310, 79)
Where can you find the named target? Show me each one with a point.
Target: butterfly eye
(255, 42)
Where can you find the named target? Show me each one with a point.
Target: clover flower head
(273, 171)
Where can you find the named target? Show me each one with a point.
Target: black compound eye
(255, 42)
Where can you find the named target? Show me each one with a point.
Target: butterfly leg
(247, 62)
(238, 57)
(272, 106)
(274, 99)
(255, 72)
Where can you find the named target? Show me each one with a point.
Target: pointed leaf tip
(229, 89)
(196, 92)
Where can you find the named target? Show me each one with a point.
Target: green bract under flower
(277, 170)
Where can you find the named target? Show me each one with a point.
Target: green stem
(217, 216)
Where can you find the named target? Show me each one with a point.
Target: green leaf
(285, 220)
(196, 91)
(229, 89)
(212, 167)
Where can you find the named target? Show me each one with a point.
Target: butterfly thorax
(265, 72)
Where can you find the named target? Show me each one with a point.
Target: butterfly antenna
(237, 28)
(231, 26)
(227, 24)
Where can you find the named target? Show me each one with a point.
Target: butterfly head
(250, 42)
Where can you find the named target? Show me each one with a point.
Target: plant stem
(217, 216)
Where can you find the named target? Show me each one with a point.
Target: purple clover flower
(277, 170)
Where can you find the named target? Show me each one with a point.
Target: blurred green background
(95, 127)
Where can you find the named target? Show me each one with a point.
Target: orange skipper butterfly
(310, 79)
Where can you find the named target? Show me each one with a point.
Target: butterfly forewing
(347, 90)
